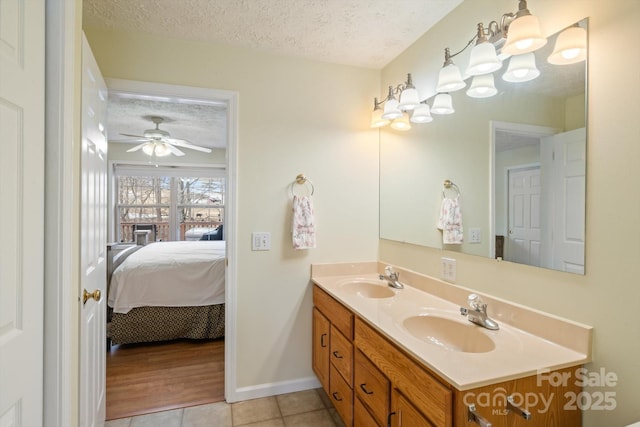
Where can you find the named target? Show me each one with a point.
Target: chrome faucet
(479, 313)
(391, 277)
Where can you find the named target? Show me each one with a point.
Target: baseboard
(273, 389)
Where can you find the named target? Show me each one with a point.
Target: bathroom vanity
(407, 357)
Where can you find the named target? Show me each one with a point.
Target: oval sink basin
(368, 288)
(449, 334)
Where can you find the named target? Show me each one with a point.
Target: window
(172, 203)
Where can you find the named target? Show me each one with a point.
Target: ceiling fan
(158, 142)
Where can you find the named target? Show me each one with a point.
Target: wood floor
(146, 378)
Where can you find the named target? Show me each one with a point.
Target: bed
(165, 291)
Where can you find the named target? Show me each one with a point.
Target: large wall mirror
(517, 162)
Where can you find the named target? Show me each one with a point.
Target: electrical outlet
(448, 269)
(474, 235)
(260, 241)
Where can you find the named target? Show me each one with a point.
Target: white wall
(295, 116)
(607, 296)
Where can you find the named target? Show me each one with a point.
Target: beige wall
(607, 296)
(295, 116)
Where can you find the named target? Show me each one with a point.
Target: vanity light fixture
(484, 58)
(482, 86)
(516, 35)
(570, 47)
(523, 32)
(522, 68)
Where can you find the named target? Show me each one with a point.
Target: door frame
(516, 128)
(231, 99)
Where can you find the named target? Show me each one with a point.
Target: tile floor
(310, 408)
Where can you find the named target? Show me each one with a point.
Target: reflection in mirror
(518, 161)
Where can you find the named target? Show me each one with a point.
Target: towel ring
(302, 180)
(450, 184)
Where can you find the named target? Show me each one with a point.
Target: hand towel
(450, 221)
(304, 229)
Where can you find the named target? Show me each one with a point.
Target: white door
(93, 243)
(524, 216)
(567, 195)
(22, 24)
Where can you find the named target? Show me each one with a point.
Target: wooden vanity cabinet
(333, 351)
(372, 382)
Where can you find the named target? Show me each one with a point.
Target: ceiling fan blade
(134, 136)
(137, 147)
(185, 144)
(129, 140)
(174, 150)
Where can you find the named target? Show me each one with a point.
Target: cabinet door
(404, 414)
(321, 328)
(361, 416)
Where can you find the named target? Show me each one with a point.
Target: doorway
(223, 351)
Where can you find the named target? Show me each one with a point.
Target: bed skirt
(149, 324)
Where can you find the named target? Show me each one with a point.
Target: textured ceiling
(367, 33)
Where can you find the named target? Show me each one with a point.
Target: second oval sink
(368, 288)
(449, 334)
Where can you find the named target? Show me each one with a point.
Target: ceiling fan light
(450, 79)
(522, 68)
(524, 35)
(570, 47)
(482, 86)
(161, 149)
(442, 104)
(483, 60)
(148, 148)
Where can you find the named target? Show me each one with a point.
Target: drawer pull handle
(335, 396)
(322, 343)
(362, 386)
(337, 355)
(511, 406)
(473, 415)
(389, 418)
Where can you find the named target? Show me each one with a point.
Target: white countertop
(517, 353)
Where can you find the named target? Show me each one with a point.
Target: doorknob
(96, 295)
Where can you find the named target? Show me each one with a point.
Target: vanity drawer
(361, 416)
(372, 387)
(341, 355)
(340, 316)
(424, 390)
(341, 396)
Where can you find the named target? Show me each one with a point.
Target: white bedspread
(170, 274)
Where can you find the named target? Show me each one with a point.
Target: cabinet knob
(322, 343)
(337, 355)
(474, 415)
(336, 396)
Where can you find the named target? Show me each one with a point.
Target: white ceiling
(364, 33)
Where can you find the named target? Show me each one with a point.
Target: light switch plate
(448, 269)
(260, 241)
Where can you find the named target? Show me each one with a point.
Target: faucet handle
(388, 270)
(476, 302)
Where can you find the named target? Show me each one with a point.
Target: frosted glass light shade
(376, 119)
(421, 114)
(522, 68)
(524, 35)
(450, 79)
(391, 110)
(571, 47)
(483, 60)
(148, 148)
(401, 123)
(409, 99)
(482, 86)
(442, 104)
(161, 149)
